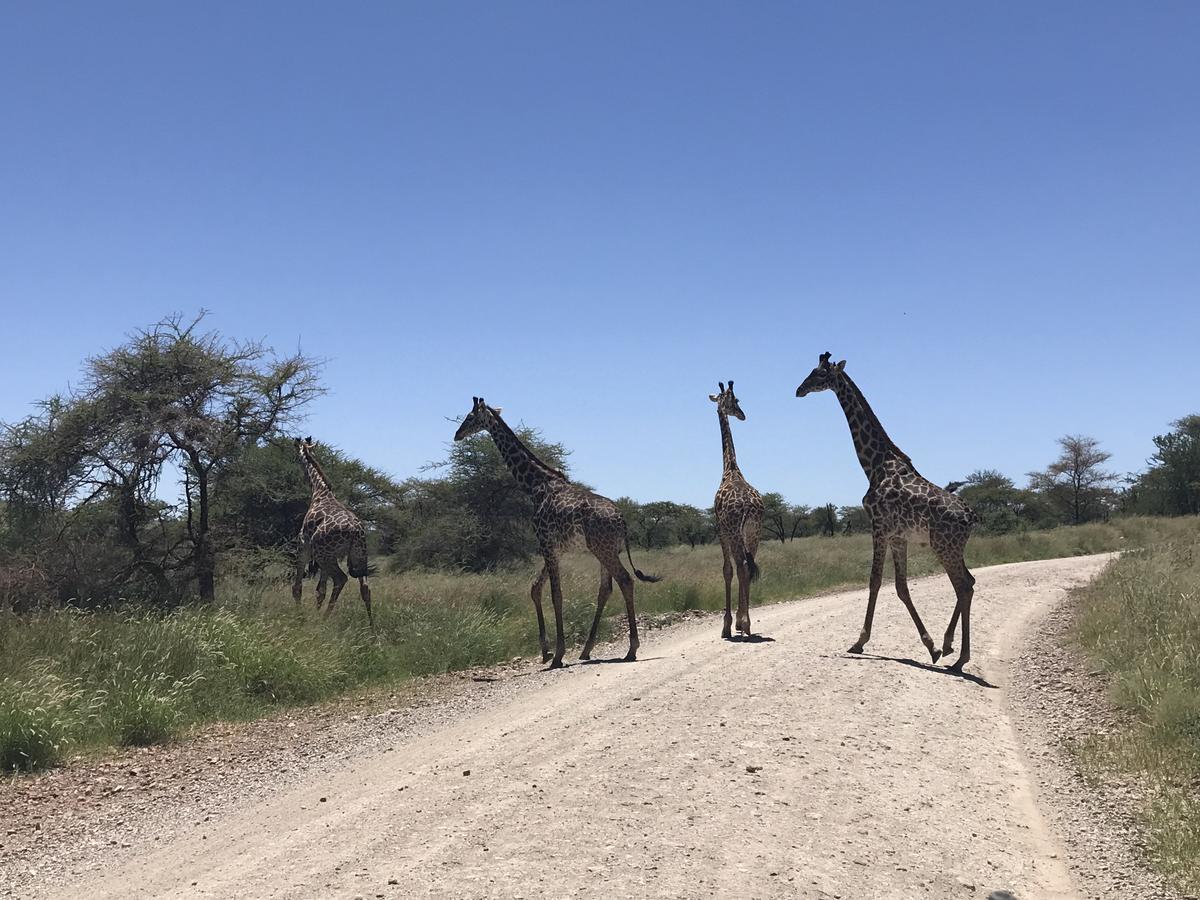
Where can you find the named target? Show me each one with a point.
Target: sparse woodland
(148, 519)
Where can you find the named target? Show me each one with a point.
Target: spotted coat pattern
(329, 532)
(902, 505)
(738, 509)
(563, 512)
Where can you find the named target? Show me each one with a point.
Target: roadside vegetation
(1141, 621)
(72, 679)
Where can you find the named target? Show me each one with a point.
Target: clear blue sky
(591, 215)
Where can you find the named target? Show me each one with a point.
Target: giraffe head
(727, 403)
(823, 377)
(477, 420)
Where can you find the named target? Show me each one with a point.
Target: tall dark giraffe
(902, 504)
(330, 531)
(562, 511)
(739, 513)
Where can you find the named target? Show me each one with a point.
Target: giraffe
(739, 511)
(563, 511)
(330, 531)
(901, 504)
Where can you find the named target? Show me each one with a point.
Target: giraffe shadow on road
(940, 670)
(749, 639)
(617, 659)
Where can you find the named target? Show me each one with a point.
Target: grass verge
(70, 679)
(1141, 621)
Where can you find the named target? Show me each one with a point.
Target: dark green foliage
(260, 499)
(473, 518)
(1171, 484)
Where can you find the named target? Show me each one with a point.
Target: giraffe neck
(531, 473)
(321, 489)
(728, 455)
(871, 442)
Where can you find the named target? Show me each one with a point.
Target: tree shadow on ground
(940, 670)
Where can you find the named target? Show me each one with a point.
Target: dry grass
(1141, 621)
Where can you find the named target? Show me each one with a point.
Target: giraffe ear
(714, 397)
(841, 367)
(497, 409)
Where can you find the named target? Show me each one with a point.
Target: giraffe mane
(548, 469)
(312, 460)
(887, 439)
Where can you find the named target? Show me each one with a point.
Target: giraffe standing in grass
(330, 531)
(562, 512)
(901, 504)
(739, 513)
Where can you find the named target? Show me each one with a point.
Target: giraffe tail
(751, 566)
(641, 576)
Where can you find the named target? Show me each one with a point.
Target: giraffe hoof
(936, 654)
(726, 634)
(545, 657)
(585, 657)
(631, 656)
(857, 648)
(556, 664)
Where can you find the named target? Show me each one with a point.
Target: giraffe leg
(625, 582)
(322, 581)
(948, 639)
(535, 593)
(879, 548)
(606, 583)
(339, 582)
(302, 557)
(365, 592)
(951, 558)
(560, 646)
(726, 629)
(900, 561)
(743, 611)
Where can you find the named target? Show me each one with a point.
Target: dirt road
(784, 767)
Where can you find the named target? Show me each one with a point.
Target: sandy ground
(782, 767)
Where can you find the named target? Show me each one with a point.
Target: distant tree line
(171, 464)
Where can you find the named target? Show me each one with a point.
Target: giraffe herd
(899, 502)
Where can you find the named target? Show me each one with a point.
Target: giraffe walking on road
(562, 512)
(739, 513)
(901, 504)
(329, 532)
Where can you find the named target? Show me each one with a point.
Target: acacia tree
(170, 399)
(1076, 482)
(1171, 485)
